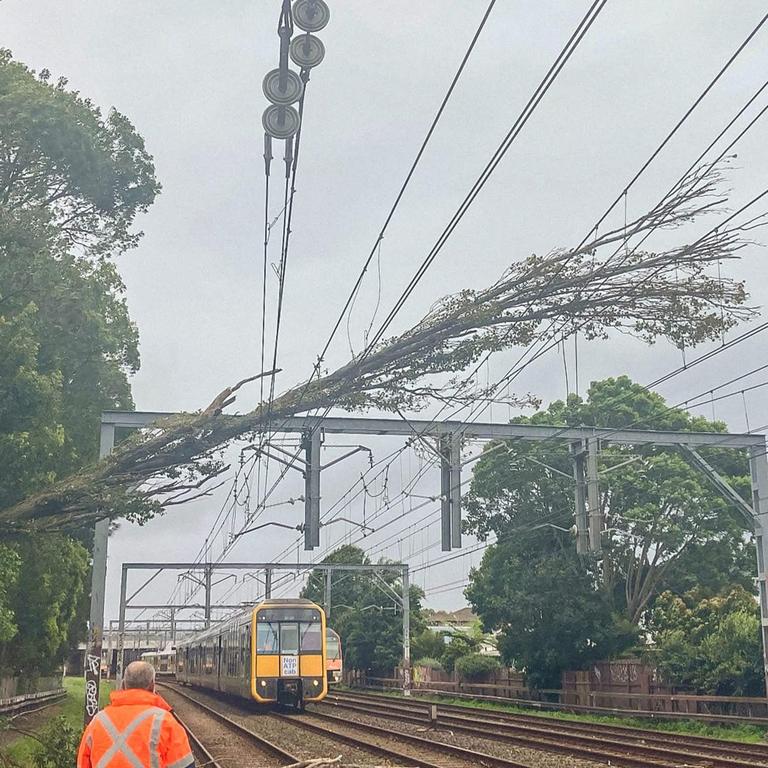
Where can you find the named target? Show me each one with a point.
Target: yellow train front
(273, 654)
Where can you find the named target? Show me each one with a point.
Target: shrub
(475, 666)
(428, 661)
(58, 745)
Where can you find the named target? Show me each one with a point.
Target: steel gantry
(376, 570)
(447, 436)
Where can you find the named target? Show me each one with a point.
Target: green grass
(744, 733)
(20, 750)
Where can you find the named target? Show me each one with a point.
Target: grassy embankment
(747, 733)
(20, 749)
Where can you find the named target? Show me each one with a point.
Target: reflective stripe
(120, 740)
(154, 740)
(183, 762)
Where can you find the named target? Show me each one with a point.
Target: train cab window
(332, 647)
(289, 638)
(266, 637)
(311, 636)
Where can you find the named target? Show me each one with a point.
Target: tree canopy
(366, 617)
(557, 610)
(71, 183)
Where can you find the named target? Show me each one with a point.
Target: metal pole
(455, 489)
(121, 627)
(406, 633)
(173, 626)
(445, 494)
(98, 588)
(580, 496)
(758, 467)
(312, 490)
(327, 601)
(594, 518)
(208, 574)
(268, 584)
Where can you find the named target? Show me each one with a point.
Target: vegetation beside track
(20, 750)
(745, 733)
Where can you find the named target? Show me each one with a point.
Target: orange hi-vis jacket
(136, 730)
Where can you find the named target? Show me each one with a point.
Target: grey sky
(189, 73)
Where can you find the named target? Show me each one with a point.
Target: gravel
(534, 758)
(293, 738)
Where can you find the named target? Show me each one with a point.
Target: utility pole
(98, 588)
(406, 632)
(327, 594)
(208, 576)
(268, 584)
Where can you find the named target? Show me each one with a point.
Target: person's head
(139, 674)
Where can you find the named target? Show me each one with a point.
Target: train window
(332, 647)
(311, 636)
(289, 638)
(266, 637)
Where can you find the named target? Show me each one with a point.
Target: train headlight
(263, 683)
(315, 683)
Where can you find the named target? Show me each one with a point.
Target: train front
(288, 652)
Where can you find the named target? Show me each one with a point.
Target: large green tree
(71, 183)
(557, 610)
(363, 612)
(710, 643)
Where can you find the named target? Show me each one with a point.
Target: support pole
(455, 489)
(98, 588)
(406, 633)
(580, 496)
(445, 495)
(312, 490)
(173, 626)
(594, 515)
(268, 584)
(208, 574)
(121, 628)
(758, 467)
(327, 595)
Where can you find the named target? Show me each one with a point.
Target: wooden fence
(608, 688)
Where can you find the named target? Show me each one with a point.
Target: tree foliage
(362, 612)
(711, 644)
(665, 294)
(559, 611)
(476, 666)
(71, 183)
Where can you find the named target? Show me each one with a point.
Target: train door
(219, 640)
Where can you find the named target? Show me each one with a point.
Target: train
(163, 661)
(274, 653)
(334, 667)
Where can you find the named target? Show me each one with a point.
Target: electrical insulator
(280, 122)
(282, 93)
(311, 15)
(307, 51)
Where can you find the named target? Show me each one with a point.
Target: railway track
(232, 744)
(26, 705)
(633, 748)
(395, 746)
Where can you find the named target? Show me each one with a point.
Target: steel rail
(22, 705)
(197, 745)
(548, 737)
(470, 756)
(758, 751)
(260, 741)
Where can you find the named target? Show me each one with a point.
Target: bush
(58, 745)
(429, 662)
(475, 666)
(427, 644)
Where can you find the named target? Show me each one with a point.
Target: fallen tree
(666, 294)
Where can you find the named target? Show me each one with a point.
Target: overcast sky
(188, 74)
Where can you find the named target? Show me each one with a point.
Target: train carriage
(163, 661)
(272, 654)
(333, 658)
